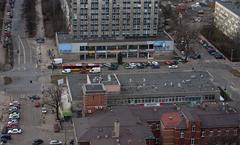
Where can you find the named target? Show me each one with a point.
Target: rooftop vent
(106, 136)
(98, 137)
(130, 80)
(179, 85)
(193, 76)
(109, 77)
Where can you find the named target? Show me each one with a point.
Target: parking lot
(35, 124)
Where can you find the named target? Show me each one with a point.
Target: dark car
(34, 97)
(140, 66)
(6, 136)
(218, 56)
(210, 51)
(37, 142)
(4, 130)
(113, 66)
(4, 140)
(40, 40)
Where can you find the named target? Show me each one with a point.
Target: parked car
(219, 56)
(155, 65)
(172, 66)
(37, 142)
(55, 142)
(66, 71)
(12, 121)
(128, 66)
(6, 136)
(3, 140)
(9, 126)
(113, 66)
(140, 66)
(210, 51)
(4, 130)
(40, 40)
(37, 104)
(14, 115)
(44, 110)
(34, 97)
(15, 131)
(13, 109)
(170, 62)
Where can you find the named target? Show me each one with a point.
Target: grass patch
(55, 78)
(235, 72)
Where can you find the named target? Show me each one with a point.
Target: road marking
(24, 53)
(30, 51)
(210, 74)
(19, 54)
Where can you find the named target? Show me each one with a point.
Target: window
(192, 141)
(181, 134)
(193, 128)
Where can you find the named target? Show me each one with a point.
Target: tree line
(54, 20)
(29, 13)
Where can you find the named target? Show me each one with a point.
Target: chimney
(116, 129)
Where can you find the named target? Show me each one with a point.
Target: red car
(37, 104)
(12, 125)
(170, 62)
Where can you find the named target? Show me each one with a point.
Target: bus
(80, 67)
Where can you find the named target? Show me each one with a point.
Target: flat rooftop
(67, 38)
(230, 5)
(109, 79)
(75, 85)
(149, 84)
(167, 84)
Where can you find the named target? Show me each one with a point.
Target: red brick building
(192, 127)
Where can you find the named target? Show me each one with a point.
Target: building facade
(227, 18)
(101, 48)
(114, 18)
(177, 128)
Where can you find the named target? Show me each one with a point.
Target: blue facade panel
(65, 48)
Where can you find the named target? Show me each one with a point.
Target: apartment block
(113, 18)
(227, 18)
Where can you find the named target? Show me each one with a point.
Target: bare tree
(53, 98)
